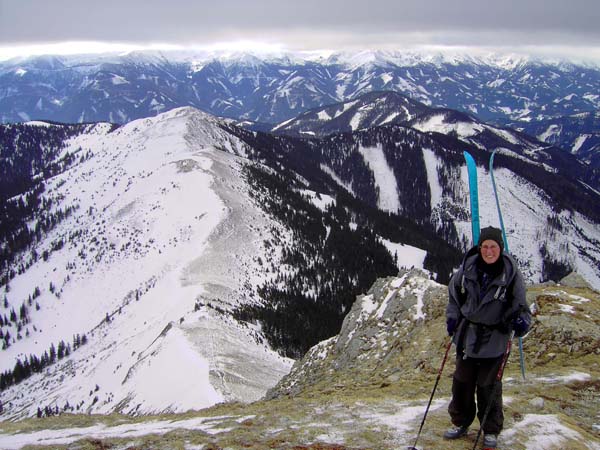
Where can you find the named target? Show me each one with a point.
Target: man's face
(490, 251)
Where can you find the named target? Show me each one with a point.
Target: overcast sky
(552, 27)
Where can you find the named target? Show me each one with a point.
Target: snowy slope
(161, 244)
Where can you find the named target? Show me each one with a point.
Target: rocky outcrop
(381, 337)
(575, 280)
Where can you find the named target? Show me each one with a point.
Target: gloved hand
(520, 326)
(451, 325)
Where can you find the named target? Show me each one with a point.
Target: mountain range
(498, 88)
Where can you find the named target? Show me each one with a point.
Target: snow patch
(118, 80)
(345, 108)
(402, 423)
(579, 143)
(552, 130)
(567, 308)
(321, 201)
(437, 124)
(355, 121)
(323, 115)
(65, 436)
(431, 164)
(386, 78)
(172, 361)
(408, 256)
(384, 177)
(38, 123)
(390, 118)
(565, 379)
(542, 431)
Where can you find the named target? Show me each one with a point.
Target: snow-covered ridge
(163, 246)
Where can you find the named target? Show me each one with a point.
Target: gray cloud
(308, 23)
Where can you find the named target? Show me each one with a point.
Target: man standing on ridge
(486, 301)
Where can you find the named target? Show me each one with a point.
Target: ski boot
(490, 441)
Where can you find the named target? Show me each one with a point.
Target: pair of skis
(475, 224)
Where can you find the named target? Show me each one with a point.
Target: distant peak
(187, 112)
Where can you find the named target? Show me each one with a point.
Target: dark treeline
(30, 152)
(35, 364)
(326, 268)
(441, 258)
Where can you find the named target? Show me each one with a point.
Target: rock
(537, 403)
(575, 280)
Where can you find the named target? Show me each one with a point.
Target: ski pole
(496, 386)
(439, 375)
(521, 357)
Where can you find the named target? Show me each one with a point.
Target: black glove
(451, 325)
(520, 326)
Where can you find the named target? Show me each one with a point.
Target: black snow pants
(476, 376)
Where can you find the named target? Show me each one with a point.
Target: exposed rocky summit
(394, 338)
(381, 339)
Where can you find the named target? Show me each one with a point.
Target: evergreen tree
(23, 313)
(52, 354)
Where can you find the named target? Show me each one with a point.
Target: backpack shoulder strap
(462, 297)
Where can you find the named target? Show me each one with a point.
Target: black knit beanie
(491, 233)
